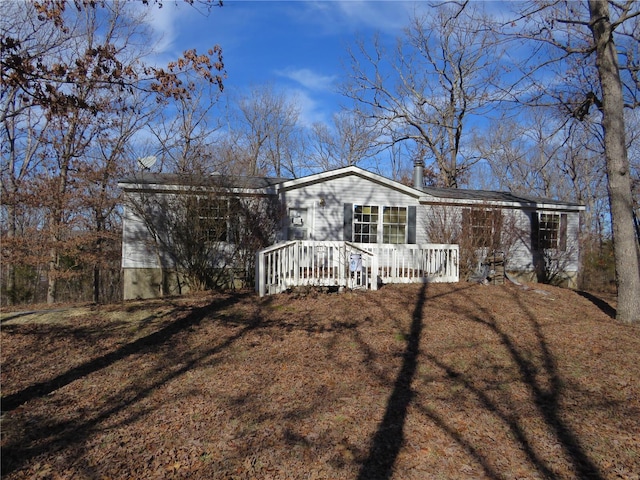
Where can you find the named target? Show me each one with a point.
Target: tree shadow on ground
(537, 370)
(389, 436)
(547, 394)
(405, 377)
(10, 402)
(605, 307)
(47, 434)
(388, 439)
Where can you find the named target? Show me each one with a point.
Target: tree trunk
(618, 171)
(96, 266)
(52, 284)
(9, 266)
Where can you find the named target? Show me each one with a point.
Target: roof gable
(344, 172)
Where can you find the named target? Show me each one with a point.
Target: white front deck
(345, 264)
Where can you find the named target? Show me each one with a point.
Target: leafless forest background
(80, 106)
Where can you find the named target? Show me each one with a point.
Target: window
(371, 227)
(482, 226)
(213, 219)
(365, 224)
(552, 231)
(394, 225)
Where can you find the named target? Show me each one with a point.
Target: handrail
(359, 248)
(279, 246)
(318, 263)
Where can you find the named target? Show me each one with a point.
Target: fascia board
(427, 200)
(164, 188)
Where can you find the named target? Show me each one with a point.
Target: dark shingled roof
(490, 196)
(256, 183)
(226, 181)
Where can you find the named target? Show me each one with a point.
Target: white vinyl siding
(138, 248)
(325, 203)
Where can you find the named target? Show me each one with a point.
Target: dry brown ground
(409, 382)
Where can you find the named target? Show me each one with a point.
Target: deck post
(343, 274)
(260, 274)
(374, 272)
(296, 262)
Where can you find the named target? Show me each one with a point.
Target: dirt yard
(409, 382)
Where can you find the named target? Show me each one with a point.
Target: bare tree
(74, 127)
(522, 154)
(348, 141)
(45, 80)
(66, 75)
(595, 40)
(21, 146)
(615, 149)
(424, 94)
(270, 136)
(186, 138)
(96, 177)
(633, 122)
(538, 155)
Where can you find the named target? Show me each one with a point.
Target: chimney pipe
(418, 175)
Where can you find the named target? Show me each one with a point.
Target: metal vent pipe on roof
(418, 175)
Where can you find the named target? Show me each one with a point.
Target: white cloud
(383, 16)
(308, 78)
(165, 24)
(352, 15)
(310, 110)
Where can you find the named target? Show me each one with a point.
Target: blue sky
(297, 46)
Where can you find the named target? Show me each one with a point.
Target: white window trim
(380, 224)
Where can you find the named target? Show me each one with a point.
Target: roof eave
(174, 188)
(425, 200)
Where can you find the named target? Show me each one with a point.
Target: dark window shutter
(466, 225)
(562, 234)
(535, 226)
(497, 227)
(411, 224)
(348, 222)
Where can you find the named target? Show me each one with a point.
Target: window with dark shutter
(210, 218)
(394, 225)
(562, 239)
(548, 230)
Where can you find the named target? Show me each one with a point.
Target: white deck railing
(345, 264)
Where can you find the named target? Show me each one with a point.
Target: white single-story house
(344, 227)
